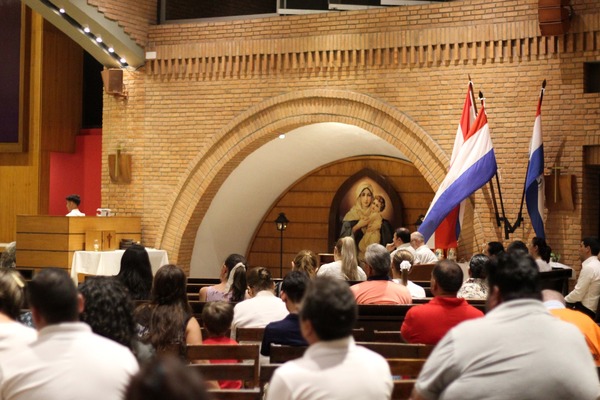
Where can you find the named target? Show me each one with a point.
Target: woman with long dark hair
(136, 272)
(168, 319)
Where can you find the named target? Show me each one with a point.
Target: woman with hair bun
(233, 282)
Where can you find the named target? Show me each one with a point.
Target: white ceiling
(251, 189)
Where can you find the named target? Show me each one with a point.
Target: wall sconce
(281, 224)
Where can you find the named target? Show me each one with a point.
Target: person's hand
(390, 247)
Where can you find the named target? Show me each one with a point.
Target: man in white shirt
(587, 290)
(67, 361)
(73, 201)
(263, 307)
(517, 351)
(423, 254)
(333, 367)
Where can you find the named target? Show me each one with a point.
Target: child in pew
(217, 317)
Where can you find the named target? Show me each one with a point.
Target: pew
(402, 389)
(229, 372)
(420, 272)
(206, 281)
(406, 366)
(557, 279)
(399, 350)
(281, 354)
(237, 371)
(239, 394)
(249, 334)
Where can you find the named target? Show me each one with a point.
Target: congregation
(112, 337)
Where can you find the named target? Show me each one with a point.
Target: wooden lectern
(50, 241)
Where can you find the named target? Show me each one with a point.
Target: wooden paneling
(62, 90)
(53, 100)
(50, 241)
(41, 259)
(307, 204)
(41, 241)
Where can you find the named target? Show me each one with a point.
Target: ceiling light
(111, 50)
(86, 29)
(123, 61)
(61, 10)
(282, 136)
(99, 39)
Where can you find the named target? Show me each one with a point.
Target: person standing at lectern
(73, 201)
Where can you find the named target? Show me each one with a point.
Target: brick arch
(265, 121)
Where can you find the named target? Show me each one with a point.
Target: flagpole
(472, 94)
(520, 215)
(492, 191)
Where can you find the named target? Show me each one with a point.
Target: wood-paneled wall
(307, 204)
(54, 107)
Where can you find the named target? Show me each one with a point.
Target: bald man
(423, 254)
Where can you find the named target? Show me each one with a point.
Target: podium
(50, 241)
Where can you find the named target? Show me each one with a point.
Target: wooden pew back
(245, 372)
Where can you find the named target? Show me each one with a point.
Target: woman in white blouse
(540, 251)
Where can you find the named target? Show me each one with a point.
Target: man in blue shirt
(287, 331)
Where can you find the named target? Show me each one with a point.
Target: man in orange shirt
(555, 303)
(379, 288)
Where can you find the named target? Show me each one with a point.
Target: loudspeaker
(113, 81)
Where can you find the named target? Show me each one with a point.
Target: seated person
(555, 303)
(13, 334)
(108, 310)
(379, 289)
(402, 260)
(136, 272)
(233, 282)
(475, 287)
(333, 366)
(345, 265)
(73, 201)
(9, 256)
(423, 254)
(429, 323)
(493, 249)
(168, 321)
(287, 331)
(217, 317)
(541, 252)
(262, 307)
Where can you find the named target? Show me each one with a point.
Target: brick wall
(135, 16)
(218, 91)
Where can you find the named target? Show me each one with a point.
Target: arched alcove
(388, 130)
